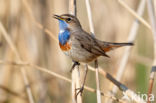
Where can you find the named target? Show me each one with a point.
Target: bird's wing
(89, 43)
(95, 46)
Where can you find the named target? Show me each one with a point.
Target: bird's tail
(111, 46)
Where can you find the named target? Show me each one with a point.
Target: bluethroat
(79, 45)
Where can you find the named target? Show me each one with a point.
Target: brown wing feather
(90, 43)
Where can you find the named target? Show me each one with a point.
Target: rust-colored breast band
(65, 47)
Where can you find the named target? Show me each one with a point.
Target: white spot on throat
(61, 31)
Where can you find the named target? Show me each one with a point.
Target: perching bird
(79, 45)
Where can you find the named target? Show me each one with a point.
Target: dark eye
(68, 19)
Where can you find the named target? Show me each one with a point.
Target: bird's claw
(73, 66)
(80, 91)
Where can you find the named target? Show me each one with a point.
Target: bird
(80, 45)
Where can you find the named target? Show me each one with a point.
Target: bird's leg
(82, 88)
(73, 66)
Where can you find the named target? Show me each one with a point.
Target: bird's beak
(58, 17)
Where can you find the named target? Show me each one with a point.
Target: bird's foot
(73, 66)
(80, 91)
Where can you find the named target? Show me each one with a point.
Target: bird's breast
(65, 47)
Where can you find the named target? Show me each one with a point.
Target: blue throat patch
(64, 33)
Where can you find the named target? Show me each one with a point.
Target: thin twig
(90, 17)
(96, 61)
(152, 17)
(134, 14)
(72, 7)
(23, 72)
(97, 82)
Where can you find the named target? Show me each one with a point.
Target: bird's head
(68, 21)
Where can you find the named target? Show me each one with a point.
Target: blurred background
(112, 23)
